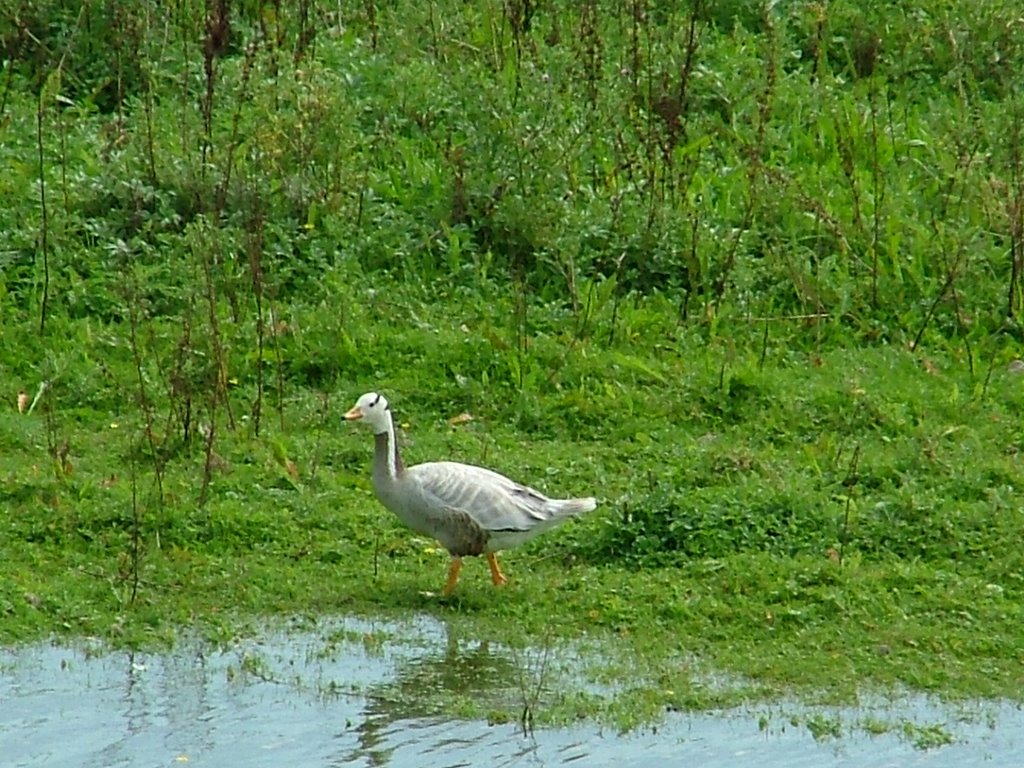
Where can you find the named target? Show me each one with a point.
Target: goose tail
(570, 507)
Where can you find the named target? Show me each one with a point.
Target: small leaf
(51, 88)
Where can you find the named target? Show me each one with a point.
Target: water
(359, 693)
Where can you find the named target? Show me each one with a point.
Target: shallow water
(352, 692)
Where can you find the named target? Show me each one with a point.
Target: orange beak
(354, 413)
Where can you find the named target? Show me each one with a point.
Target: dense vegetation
(750, 273)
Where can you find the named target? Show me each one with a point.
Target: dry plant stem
(131, 299)
(143, 395)
(279, 363)
(256, 273)
(323, 414)
(9, 80)
(1015, 217)
(51, 428)
(180, 387)
(370, 6)
(211, 432)
(530, 695)
(519, 14)
(64, 188)
(590, 51)
(521, 304)
(616, 298)
(218, 29)
(44, 241)
(136, 534)
(951, 275)
(764, 346)
(989, 370)
(235, 140)
(47, 92)
(219, 388)
(755, 172)
(147, 112)
(849, 482)
(878, 196)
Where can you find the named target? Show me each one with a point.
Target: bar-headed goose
(469, 510)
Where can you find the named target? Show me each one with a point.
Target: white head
(374, 410)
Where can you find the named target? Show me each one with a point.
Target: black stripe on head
(375, 401)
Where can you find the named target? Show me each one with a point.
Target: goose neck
(386, 458)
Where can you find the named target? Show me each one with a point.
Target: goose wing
(494, 502)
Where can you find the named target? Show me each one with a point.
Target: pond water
(353, 692)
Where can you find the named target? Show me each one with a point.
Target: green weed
(750, 274)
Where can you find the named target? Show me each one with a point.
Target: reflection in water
(348, 692)
(420, 687)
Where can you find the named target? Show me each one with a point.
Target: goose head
(373, 409)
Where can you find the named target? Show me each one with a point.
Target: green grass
(756, 290)
(715, 549)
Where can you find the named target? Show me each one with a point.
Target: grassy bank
(826, 525)
(751, 278)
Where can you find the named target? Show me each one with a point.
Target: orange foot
(453, 576)
(496, 575)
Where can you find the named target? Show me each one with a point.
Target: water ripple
(332, 697)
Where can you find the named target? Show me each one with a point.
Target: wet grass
(754, 288)
(825, 526)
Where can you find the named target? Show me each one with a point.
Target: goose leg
(496, 575)
(453, 575)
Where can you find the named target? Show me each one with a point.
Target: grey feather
(470, 510)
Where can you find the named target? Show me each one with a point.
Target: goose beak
(354, 413)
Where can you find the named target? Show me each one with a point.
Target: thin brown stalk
(44, 230)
